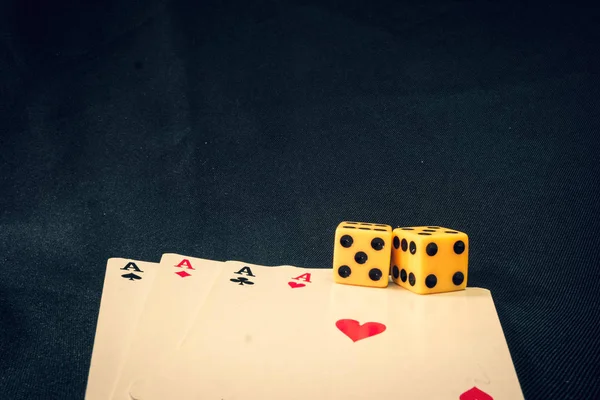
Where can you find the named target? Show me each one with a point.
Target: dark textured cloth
(232, 131)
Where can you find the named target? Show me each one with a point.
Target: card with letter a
(126, 287)
(290, 333)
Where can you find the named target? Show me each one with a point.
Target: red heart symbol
(355, 331)
(294, 285)
(475, 394)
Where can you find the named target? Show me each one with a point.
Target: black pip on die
(361, 254)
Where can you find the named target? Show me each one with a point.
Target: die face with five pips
(430, 259)
(362, 253)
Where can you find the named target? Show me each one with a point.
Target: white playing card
(179, 290)
(339, 342)
(433, 346)
(126, 286)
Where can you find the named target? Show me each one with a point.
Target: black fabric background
(232, 131)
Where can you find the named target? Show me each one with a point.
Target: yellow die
(430, 259)
(361, 254)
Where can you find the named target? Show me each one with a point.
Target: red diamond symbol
(475, 394)
(182, 274)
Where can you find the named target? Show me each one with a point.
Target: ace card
(126, 287)
(394, 343)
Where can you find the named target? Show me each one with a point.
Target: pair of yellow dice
(422, 259)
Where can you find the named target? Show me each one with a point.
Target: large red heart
(355, 331)
(475, 394)
(294, 285)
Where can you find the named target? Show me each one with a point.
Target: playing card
(179, 290)
(396, 343)
(126, 286)
(339, 342)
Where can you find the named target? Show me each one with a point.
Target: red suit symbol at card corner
(295, 285)
(355, 331)
(184, 263)
(475, 394)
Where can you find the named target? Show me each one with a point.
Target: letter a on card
(246, 270)
(185, 262)
(304, 277)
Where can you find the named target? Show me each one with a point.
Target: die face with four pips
(430, 259)
(362, 253)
